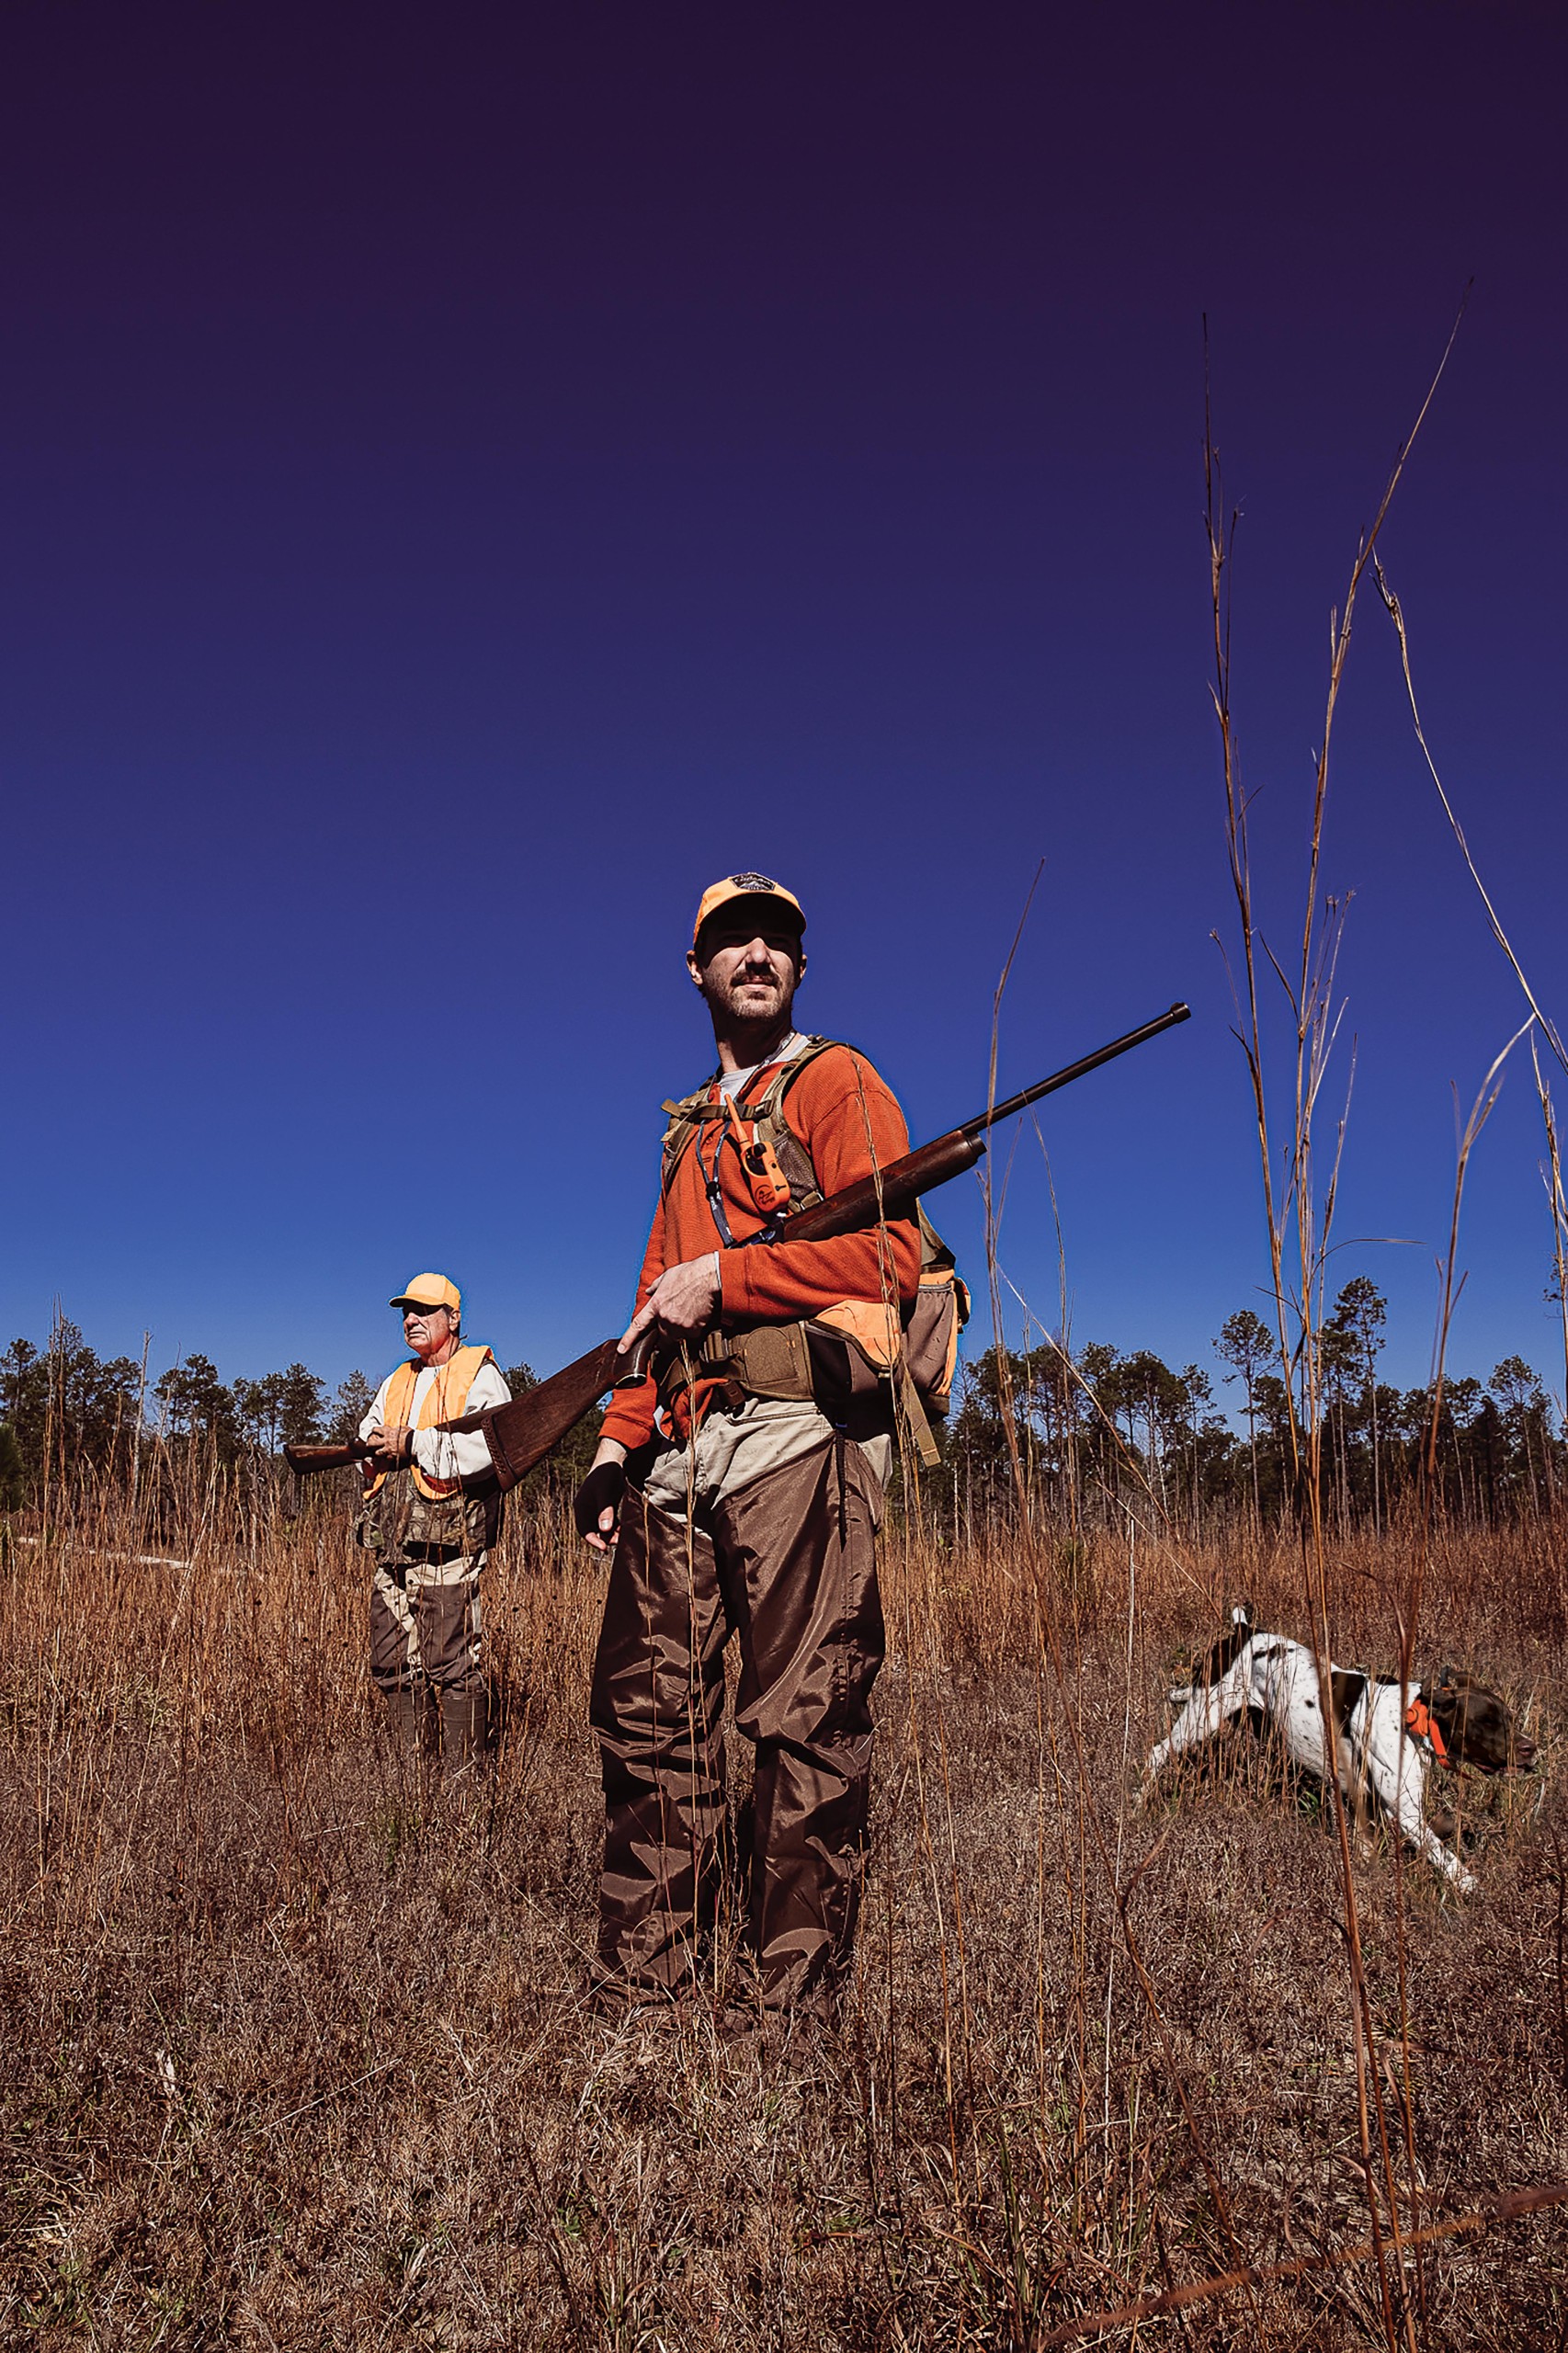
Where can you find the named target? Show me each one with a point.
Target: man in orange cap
(431, 1512)
(754, 1508)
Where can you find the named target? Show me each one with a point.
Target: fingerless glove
(601, 1490)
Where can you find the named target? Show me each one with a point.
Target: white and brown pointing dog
(1382, 1744)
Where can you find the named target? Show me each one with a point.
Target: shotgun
(521, 1434)
(304, 1459)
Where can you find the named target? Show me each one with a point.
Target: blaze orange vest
(446, 1398)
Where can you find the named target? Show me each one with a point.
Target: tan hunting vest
(861, 1352)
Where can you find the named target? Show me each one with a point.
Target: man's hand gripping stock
(391, 1444)
(681, 1306)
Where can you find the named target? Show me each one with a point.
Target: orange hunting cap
(430, 1290)
(747, 886)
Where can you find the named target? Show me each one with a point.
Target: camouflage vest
(405, 1529)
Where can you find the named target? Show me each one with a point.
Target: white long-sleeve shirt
(443, 1454)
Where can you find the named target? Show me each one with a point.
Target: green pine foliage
(13, 1471)
(1091, 1426)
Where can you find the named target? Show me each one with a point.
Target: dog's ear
(1242, 1614)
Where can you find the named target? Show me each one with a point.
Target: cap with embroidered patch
(430, 1290)
(747, 886)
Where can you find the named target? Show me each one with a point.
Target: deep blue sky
(471, 476)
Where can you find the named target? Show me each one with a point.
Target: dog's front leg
(1205, 1713)
(1352, 1788)
(1399, 1779)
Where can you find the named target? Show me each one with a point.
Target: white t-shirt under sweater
(732, 1081)
(443, 1454)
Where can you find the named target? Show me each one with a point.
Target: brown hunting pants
(424, 1627)
(786, 1560)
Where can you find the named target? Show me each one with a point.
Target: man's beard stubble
(725, 1000)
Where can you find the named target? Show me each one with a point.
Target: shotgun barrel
(1028, 1095)
(893, 1190)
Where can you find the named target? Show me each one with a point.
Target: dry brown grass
(300, 2056)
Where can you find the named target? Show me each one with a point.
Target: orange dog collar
(1422, 1724)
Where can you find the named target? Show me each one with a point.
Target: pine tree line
(1089, 1424)
(64, 1408)
(1092, 1425)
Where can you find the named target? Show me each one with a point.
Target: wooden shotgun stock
(521, 1434)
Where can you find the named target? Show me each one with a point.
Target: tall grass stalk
(1299, 1216)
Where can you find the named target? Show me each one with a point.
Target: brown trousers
(426, 1633)
(787, 1562)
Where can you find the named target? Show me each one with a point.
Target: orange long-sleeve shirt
(849, 1123)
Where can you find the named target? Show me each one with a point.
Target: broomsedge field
(300, 2054)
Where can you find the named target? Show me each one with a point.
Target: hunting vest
(866, 1363)
(408, 1517)
(446, 1398)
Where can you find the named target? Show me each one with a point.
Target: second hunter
(755, 1509)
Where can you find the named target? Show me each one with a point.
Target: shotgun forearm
(892, 1193)
(304, 1459)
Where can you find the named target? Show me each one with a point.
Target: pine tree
(353, 1402)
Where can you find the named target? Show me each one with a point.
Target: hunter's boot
(465, 1735)
(406, 1713)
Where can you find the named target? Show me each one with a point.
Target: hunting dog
(1383, 1744)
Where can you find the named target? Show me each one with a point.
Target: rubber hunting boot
(465, 1734)
(406, 1713)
